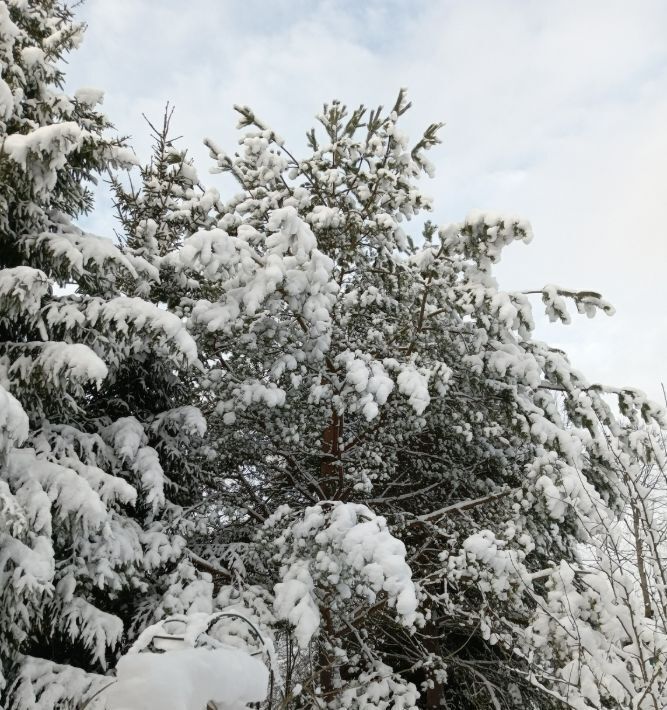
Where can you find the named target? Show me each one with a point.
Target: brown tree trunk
(331, 483)
(325, 662)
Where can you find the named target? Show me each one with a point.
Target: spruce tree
(86, 520)
(155, 212)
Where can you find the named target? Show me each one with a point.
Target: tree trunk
(331, 468)
(325, 661)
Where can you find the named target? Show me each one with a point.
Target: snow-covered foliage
(330, 556)
(360, 375)
(158, 213)
(93, 427)
(295, 410)
(603, 628)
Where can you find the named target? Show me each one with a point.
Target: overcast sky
(554, 110)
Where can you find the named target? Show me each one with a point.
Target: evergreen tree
(414, 497)
(155, 216)
(402, 465)
(86, 520)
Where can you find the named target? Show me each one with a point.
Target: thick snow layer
(43, 685)
(76, 360)
(370, 380)
(414, 384)
(353, 550)
(43, 140)
(52, 485)
(89, 96)
(374, 552)
(82, 251)
(290, 269)
(6, 100)
(44, 151)
(13, 420)
(187, 679)
(25, 287)
(124, 311)
(294, 601)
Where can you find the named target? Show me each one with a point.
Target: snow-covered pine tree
(85, 531)
(404, 464)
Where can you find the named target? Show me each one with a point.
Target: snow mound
(187, 679)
